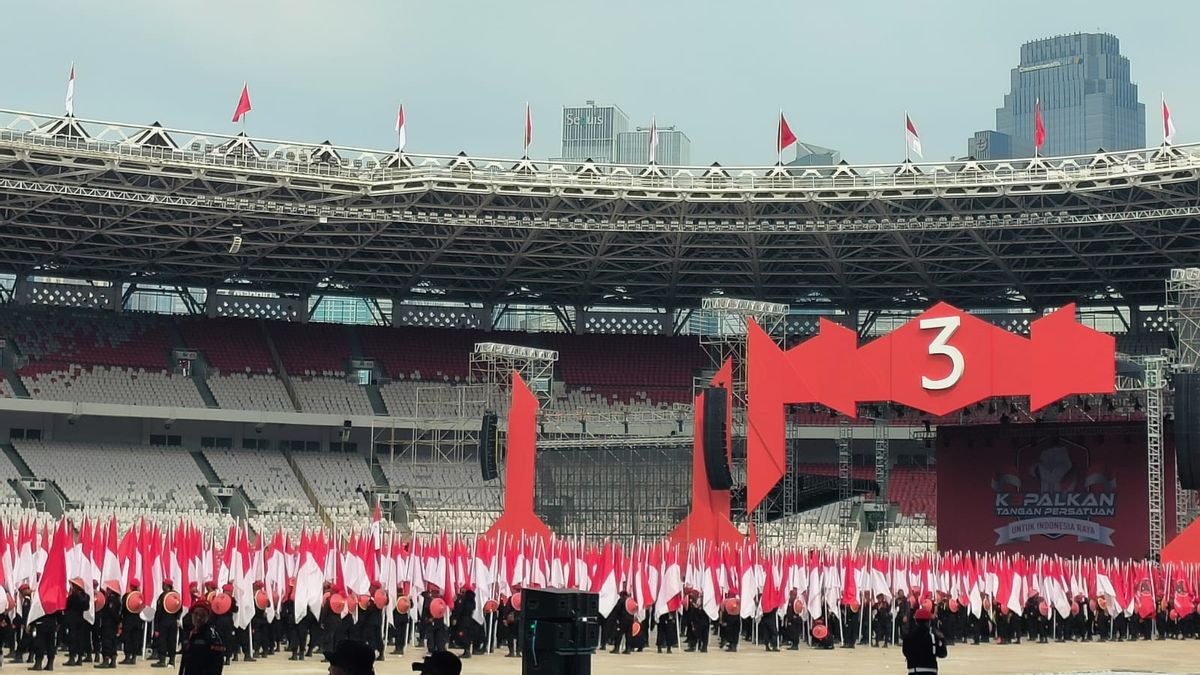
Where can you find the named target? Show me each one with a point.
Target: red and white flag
(653, 140)
(528, 128)
(401, 135)
(911, 136)
(70, 102)
(784, 138)
(1039, 128)
(243, 105)
(1168, 124)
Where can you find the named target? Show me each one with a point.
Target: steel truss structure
(1183, 310)
(619, 491)
(493, 364)
(130, 203)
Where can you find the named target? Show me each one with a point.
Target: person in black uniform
(731, 627)
(257, 634)
(286, 620)
(166, 627)
(768, 630)
(852, 623)
(668, 632)
(400, 624)
(881, 622)
(45, 640)
(22, 636)
(78, 637)
(437, 634)
(981, 628)
(622, 625)
(903, 610)
(203, 650)
(223, 624)
(698, 625)
(371, 620)
(131, 628)
(465, 627)
(108, 618)
(506, 627)
(923, 645)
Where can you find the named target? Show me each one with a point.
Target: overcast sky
(844, 72)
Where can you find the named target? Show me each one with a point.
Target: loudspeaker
(714, 439)
(1187, 429)
(489, 441)
(559, 604)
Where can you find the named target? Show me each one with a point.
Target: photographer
(437, 663)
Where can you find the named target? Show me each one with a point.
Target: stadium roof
(150, 204)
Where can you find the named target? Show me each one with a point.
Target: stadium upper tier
(133, 203)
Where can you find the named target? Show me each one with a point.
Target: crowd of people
(882, 622)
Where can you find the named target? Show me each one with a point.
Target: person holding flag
(923, 645)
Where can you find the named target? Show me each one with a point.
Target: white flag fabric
(1168, 124)
(910, 133)
(401, 134)
(71, 91)
(653, 141)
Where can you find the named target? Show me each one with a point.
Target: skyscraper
(674, 147)
(590, 132)
(1088, 101)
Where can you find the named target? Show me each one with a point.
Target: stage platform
(1173, 657)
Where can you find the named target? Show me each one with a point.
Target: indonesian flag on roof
(911, 135)
(401, 133)
(1168, 124)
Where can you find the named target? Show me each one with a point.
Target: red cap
(258, 585)
(375, 585)
(923, 615)
(201, 603)
(227, 588)
(134, 585)
(210, 585)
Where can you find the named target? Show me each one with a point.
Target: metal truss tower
(882, 472)
(493, 364)
(845, 485)
(1183, 311)
(725, 321)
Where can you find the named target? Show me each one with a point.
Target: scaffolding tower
(726, 321)
(882, 472)
(845, 485)
(493, 363)
(1183, 311)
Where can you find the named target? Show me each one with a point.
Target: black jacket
(922, 649)
(203, 652)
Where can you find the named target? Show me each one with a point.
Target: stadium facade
(253, 235)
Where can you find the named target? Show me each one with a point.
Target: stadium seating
(6, 390)
(241, 391)
(338, 482)
(914, 491)
(100, 384)
(268, 482)
(331, 395)
(142, 479)
(230, 345)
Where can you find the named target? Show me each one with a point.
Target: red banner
(1063, 489)
(941, 361)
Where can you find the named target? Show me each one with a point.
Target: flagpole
(906, 144)
(779, 138)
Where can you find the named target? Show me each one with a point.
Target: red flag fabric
(1039, 127)
(243, 105)
(785, 136)
(52, 589)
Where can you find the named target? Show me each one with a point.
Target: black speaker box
(1187, 429)
(552, 664)
(557, 604)
(714, 439)
(488, 442)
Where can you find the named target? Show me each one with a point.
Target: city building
(1088, 101)
(590, 132)
(674, 147)
(809, 154)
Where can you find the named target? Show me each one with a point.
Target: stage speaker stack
(489, 442)
(1187, 429)
(714, 439)
(560, 630)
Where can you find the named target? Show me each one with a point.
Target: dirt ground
(1140, 657)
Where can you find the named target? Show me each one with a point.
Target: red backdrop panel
(1066, 489)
